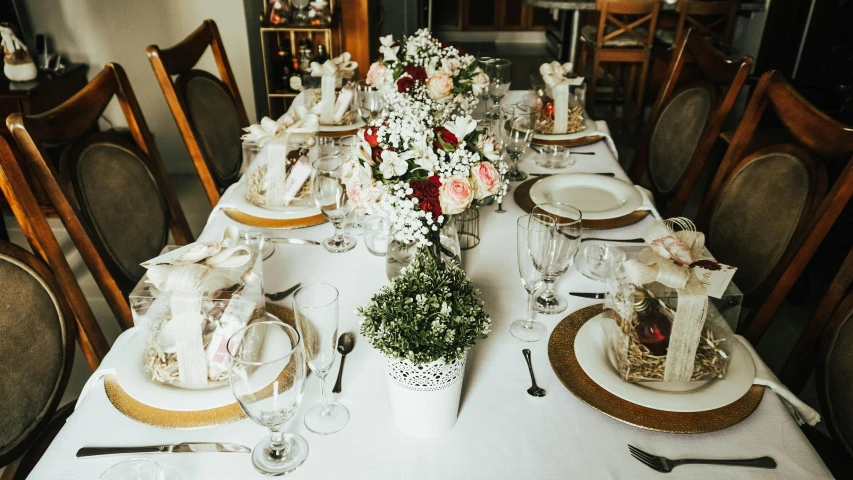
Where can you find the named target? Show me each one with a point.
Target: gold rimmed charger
(273, 223)
(523, 200)
(573, 142)
(561, 354)
(339, 133)
(180, 419)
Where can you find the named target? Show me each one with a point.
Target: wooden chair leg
(630, 83)
(641, 90)
(593, 84)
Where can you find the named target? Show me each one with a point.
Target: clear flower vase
(401, 254)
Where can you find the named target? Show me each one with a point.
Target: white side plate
(598, 197)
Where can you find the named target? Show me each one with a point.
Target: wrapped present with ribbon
(672, 339)
(334, 101)
(566, 118)
(278, 176)
(189, 303)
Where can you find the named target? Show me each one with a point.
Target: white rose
(479, 81)
(439, 86)
(450, 66)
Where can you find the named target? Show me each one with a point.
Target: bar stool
(625, 34)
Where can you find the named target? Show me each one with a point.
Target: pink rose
(439, 86)
(361, 196)
(673, 249)
(456, 195)
(376, 74)
(487, 180)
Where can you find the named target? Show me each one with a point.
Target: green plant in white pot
(424, 323)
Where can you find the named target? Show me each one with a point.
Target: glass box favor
(334, 106)
(190, 301)
(279, 176)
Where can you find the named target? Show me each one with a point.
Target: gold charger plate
(338, 134)
(253, 221)
(574, 142)
(561, 354)
(523, 200)
(158, 417)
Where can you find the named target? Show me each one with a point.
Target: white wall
(96, 32)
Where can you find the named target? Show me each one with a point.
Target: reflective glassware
(483, 95)
(554, 156)
(601, 261)
(520, 135)
(330, 196)
(267, 376)
(498, 70)
(566, 240)
(377, 234)
(370, 102)
(315, 307)
(136, 469)
(534, 234)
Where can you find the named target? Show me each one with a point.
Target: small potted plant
(424, 323)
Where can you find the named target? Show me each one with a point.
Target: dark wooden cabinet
(488, 15)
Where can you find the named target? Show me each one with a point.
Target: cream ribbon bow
(554, 72)
(341, 65)
(692, 296)
(298, 121)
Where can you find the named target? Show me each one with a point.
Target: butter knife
(199, 447)
(295, 241)
(587, 295)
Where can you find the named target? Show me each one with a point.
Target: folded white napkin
(107, 366)
(801, 412)
(604, 131)
(648, 204)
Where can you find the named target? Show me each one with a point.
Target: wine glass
(499, 79)
(315, 307)
(565, 244)
(483, 95)
(370, 102)
(520, 135)
(534, 243)
(267, 375)
(330, 196)
(300, 15)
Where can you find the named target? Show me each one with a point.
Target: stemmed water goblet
(330, 196)
(315, 307)
(518, 141)
(267, 375)
(566, 241)
(534, 243)
(370, 102)
(498, 70)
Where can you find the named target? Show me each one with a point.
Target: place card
(715, 276)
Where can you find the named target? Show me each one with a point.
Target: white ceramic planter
(424, 397)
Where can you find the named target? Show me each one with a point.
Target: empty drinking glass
(498, 70)
(566, 240)
(315, 307)
(377, 233)
(534, 234)
(134, 469)
(554, 156)
(601, 261)
(267, 375)
(330, 196)
(483, 94)
(520, 136)
(370, 102)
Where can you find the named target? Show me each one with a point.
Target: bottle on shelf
(285, 66)
(322, 54)
(306, 55)
(279, 12)
(653, 326)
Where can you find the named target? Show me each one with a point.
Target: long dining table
(501, 432)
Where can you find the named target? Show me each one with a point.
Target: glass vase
(401, 254)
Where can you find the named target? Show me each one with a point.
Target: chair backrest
(26, 209)
(37, 345)
(686, 119)
(112, 193)
(208, 110)
(800, 212)
(833, 374)
(714, 20)
(633, 18)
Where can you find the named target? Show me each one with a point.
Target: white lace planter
(424, 397)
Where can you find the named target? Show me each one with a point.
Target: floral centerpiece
(430, 79)
(424, 323)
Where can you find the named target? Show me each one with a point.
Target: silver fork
(666, 465)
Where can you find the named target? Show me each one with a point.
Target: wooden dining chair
(714, 20)
(208, 110)
(111, 192)
(767, 211)
(686, 120)
(624, 34)
(38, 352)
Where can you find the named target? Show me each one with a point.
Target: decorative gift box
(328, 92)
(559, 113)
(189, 303)
(666, 327)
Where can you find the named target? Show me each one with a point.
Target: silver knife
(199, 447)
(295, 241)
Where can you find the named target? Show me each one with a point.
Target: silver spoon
(534, 390)
(346, 342)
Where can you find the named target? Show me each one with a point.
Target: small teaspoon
(346, 342)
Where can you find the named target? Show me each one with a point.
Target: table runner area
(502, 432)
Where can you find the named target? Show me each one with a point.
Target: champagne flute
(534, 243)
(520, 136)
(330, 196)
(267, 375)
(499, 80)
(566, 242)
(315, 307)
(484, 63)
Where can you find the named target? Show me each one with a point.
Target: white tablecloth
(502, 432)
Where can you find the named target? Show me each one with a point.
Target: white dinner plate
(589, 128)
(598, 197)
(301, 208)
(342, 128)
(592, 356)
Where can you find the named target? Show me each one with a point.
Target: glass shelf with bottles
(299, 13)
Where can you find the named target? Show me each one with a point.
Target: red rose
(433, 184)
(418, 74)
(371, 136)
(418, 189)
(404, 84)
(376, 153)
(431, 205)
(460, 50)
(445, 135)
